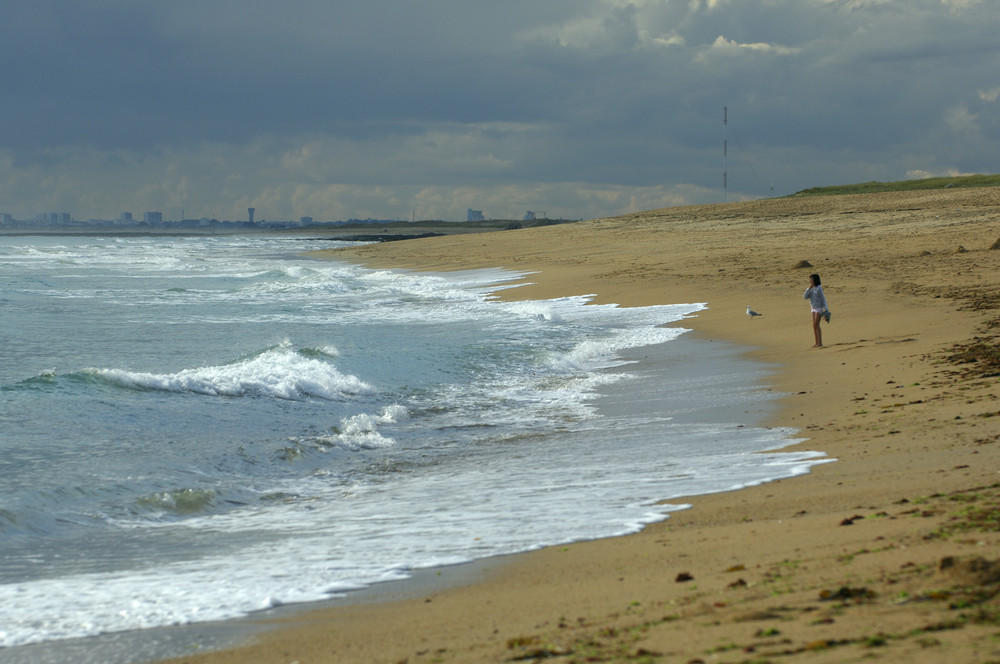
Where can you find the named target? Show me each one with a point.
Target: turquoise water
(192, 429)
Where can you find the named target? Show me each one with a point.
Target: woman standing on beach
(817, 301)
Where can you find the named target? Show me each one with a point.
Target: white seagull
(753, 314)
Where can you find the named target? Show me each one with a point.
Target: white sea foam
(418, 521)
(280, 373)
(360, 432)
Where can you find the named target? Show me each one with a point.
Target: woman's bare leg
(817, 317)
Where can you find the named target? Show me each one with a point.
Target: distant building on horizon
(51, 218)
(475, 215)
(250, 211)
(153, 218)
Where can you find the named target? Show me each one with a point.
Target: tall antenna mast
(725, 151)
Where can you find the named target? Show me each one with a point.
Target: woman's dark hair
(815, 278)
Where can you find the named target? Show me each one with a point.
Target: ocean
(194, 429)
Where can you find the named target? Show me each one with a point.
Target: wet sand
(888, 553)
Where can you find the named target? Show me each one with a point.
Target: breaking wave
(280, 373)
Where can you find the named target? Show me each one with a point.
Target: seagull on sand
(753, 314)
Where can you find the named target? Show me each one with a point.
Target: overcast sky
(400, 109)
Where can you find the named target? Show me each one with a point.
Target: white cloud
(958, 5)
(723, 47)
(960, 120)
(622, 24)
(582, 32)
(613, 24)
(695, 5)
(920, 174)
(990, 95)
(853, 5)
(670, 40)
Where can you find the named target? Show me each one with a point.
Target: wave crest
(360, 432)
(280, 373)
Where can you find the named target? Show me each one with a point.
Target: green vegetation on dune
(965, 181)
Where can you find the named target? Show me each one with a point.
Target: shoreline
(836, 565)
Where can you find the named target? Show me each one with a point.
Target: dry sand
(886, 554)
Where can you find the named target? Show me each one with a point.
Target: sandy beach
(889, 553)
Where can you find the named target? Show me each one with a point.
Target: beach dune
(890, 553)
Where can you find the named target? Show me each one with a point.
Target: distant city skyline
(157, 219)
